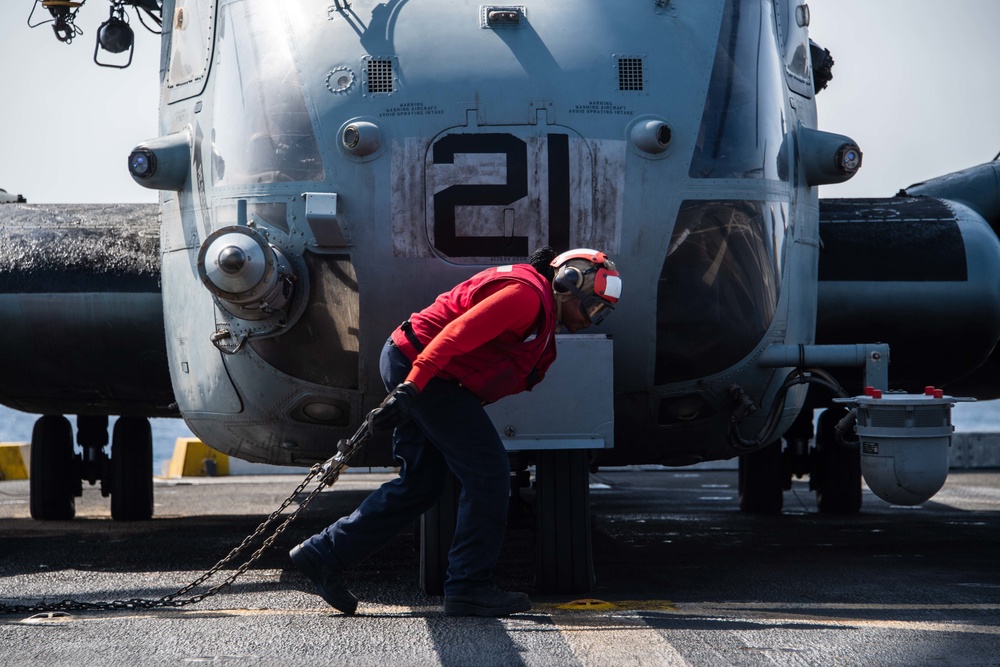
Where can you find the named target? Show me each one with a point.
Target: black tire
(437, 531)
(132, 470)
(53, 480)
(564, 550)
(836, 470)
(762, 480)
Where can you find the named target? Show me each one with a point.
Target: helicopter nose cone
(232, 259)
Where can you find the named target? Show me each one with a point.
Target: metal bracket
(321, 214)
(492, 17)
(873, 357)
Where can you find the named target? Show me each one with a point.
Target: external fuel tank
(919, 273)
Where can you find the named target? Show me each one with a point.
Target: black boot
(327, 578)
(486, 601)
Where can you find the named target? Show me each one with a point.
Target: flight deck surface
(688, 579)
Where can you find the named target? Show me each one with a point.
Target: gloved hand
(395, 409)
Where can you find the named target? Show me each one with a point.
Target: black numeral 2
(446, 238)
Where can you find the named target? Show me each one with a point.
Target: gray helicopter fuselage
(368, 156)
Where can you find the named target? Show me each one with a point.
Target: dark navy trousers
(448, 429)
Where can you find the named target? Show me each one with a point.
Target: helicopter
(325, 169)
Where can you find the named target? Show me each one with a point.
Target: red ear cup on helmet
(607, 285)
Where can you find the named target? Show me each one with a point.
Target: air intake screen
(630, 74)
(380, 78)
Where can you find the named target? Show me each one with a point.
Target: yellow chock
(588, 605)
(193, 458)
(14, 458)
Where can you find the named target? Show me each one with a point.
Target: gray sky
(68, 125)
(915, 86)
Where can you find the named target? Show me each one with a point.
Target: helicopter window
(718, 289)
(793, 21)
(743, 127)
(268, 133)
(190, 47)
(272, 214)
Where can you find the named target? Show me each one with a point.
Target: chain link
(327, 473)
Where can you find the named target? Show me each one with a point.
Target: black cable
(156, 19)
(798, 376)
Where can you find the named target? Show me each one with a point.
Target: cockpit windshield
(268, 135)
(719, 287)
(743, 127)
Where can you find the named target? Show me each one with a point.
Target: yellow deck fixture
(193, 458)
(14, 460)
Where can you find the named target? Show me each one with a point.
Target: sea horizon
(16, 426)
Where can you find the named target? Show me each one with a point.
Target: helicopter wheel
(53, 466)
(564, 555)
(762, 480)
(132, 470)
(836, 475)
(437, 530)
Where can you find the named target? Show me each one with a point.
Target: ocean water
(16, 426)
(978, 417)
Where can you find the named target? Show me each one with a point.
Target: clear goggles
(594, 308)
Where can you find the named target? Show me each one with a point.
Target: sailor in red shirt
(490, 336)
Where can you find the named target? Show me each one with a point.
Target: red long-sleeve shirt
(510, 309)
